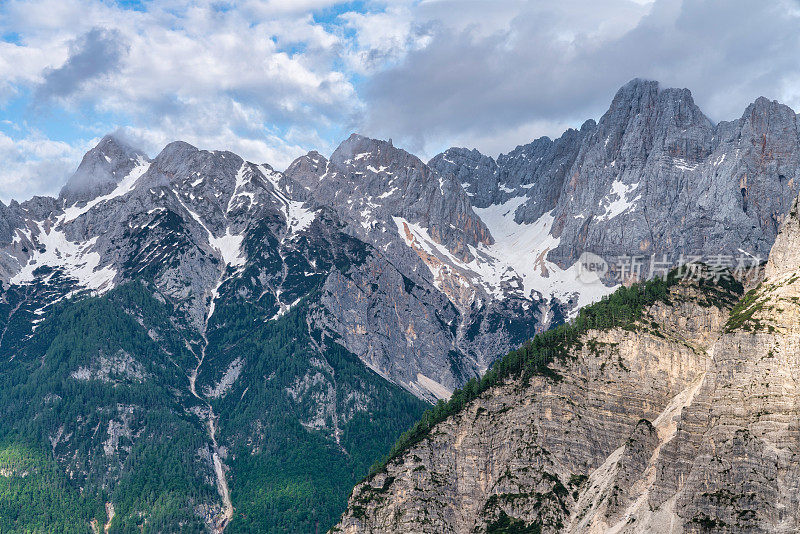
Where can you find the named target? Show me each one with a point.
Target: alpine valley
(198, 343)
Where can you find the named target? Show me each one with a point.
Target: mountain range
(195, 341)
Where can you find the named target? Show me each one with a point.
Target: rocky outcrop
(9, 223)
(785, 255)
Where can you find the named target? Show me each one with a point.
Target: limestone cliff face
(689, 422)
(785, 255)
(733, 463)
(523, 451)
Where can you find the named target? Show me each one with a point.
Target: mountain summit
(101, 170)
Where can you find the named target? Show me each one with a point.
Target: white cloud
(35, 165)
(267, 8)
(551, 63)
(383, 38)
(22, 65)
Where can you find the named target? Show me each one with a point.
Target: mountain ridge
(434, 224)
(681, 154)
(267, 310)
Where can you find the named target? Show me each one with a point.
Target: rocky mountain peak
(307, 170)
(476, 172)
(198, 176)
(631, 99)
(360, 151)
(101, 169)
(768, 118)
(176, 150)
(679, 106)
(642, 117)
(180, 160)
(537, 146)
(785, 255)
(588, 125)
(764, 106)
(398, 204)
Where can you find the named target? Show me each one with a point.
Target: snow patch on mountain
(241, 181)
(77, 260)
(521, 250)
(617, 201)
(228, 245)
(516, 262)
(298, 217)
(124, 187)
(683, 165)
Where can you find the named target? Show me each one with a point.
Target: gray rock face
(7, 224)
(785, 254)
(101, 169)
(368, 182)
(553, 453)
(413, 312)
(720, 182)
(653, 176)
(478, 174)
(535, 171)
(16, 225)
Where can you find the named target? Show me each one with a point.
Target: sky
(274, 79)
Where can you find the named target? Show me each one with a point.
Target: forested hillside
(97, 408)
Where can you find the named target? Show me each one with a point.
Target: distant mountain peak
(639, 99)
(176, 149)
(764, 115)
(636, 89)
(359, 150)
(101, 169)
